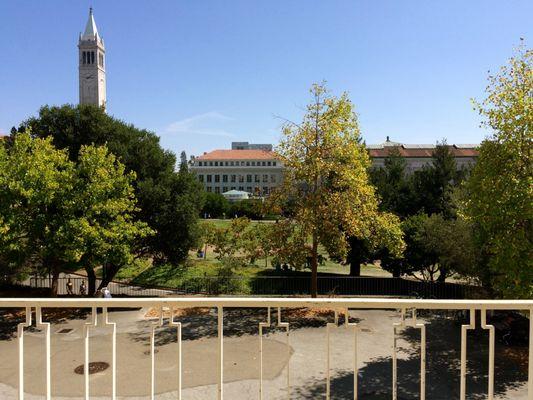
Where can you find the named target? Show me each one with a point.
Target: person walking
(70, 288)
(83, 289)
(106, 293)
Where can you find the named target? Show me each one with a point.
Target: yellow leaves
(326, 178)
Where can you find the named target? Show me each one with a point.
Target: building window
(273, 178)
(257, 178)
(241, 188)
(200, 178)
(263, 163)
(242, 163)
(209, 189)
(241, 178)
(209, 178)
(225, 189)
(92, 57)
(224, 178)
(265, 178)
(232, 163)
(247, 163)
(217, 189)
(233, 178)
(269, 163)
(199, 163)
(233, 188)
(210, 163)
(249, 189)
(84, 57)
(253, 163)
(216, 163)
(217, 178)
(265, 190)
(274, 163)
(248, 178)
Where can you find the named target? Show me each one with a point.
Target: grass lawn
(143, 273)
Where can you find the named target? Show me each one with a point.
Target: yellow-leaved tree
(326, 182)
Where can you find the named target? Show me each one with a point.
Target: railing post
(530, 365)
(220, 315)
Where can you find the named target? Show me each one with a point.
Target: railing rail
(408, 317)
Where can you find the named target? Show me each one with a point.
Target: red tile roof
(238, 155)
(422, 153)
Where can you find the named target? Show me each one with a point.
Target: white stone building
(254, 171)
(92, 80)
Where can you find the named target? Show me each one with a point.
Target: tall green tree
(500, 188)
(326, 177)
(434, 184)
(394, 185)
(62, 216)
(167, 201)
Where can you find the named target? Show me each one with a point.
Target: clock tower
(92, 65)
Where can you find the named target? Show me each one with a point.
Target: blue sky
(204, 73)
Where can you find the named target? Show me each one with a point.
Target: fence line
(280, 285)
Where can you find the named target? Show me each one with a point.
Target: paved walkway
(241, 364)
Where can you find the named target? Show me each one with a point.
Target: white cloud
(207, 124)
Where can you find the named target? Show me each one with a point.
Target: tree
(61, 216)
(326, 177)
(433, 185)
(215, 205)
(158, 188)
(393, 185)
(500, 188)
(184, 165)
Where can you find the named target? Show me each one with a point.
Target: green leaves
(326, 180)
(54, 212)
(500, 189)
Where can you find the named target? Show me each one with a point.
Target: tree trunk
(110, 272)
(91, 278)
(355, 266)
(314, 267)
(442, 276)
(55, 280)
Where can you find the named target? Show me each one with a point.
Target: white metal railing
(336, 304)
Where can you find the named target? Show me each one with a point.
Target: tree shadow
(237, 322)
(443, 355)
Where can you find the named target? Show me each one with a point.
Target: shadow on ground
(443, 369)
(237, 322)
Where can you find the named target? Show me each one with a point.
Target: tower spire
(90, 28)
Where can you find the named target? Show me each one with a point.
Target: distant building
(250, 146)
(255, 171)
(236, 195)
(419, 155)
(92, 62)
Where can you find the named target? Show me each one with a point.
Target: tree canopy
(326, 177)
(168, 201)
(500, 189)
(60, 216)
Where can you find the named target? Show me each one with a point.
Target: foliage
(500, 188)
(394, 185)
(433, 185)
(167, 201)
(61, 216)
(436, 247)
(215, 206)
(326, 178)
(250, 208)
